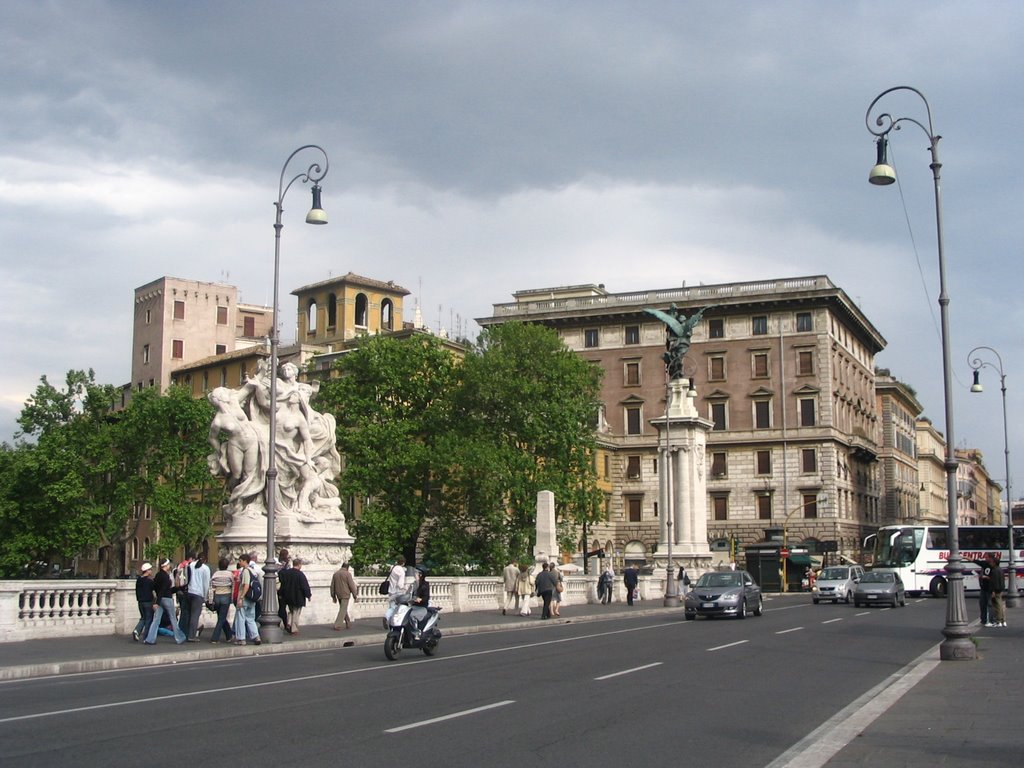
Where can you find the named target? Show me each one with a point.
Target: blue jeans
(145, 617)
(245, 621)
(984, 601)
(223, 603)
(166, 605)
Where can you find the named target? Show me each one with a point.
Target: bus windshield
(897, 548)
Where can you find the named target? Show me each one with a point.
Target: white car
(837, 582)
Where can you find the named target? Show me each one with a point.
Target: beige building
(898, 410)
(342, 308)
(931, 472)
(177, 322)
(978, 500)
(784, 369)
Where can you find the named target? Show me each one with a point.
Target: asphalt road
(607, 693)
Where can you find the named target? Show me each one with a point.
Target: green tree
(393, 406)
(77, 481)
(162, 447)
(534, 403)
(57, 493)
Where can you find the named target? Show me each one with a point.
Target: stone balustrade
(31, 610)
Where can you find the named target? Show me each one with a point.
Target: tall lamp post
(977, 363)
(270, 628)
(957, 644)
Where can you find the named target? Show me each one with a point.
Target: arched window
(311, 317)
(636, 552)
(135, 548)
(361, 310)
(332, 311)
(387, 315)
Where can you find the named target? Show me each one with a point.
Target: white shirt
(396, 580)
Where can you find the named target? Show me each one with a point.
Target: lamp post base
(958, 645)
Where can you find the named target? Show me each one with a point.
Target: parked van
(837, 583)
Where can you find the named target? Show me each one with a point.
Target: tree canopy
(75, 479)
(448, 454)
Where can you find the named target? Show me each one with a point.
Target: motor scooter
(411, 626)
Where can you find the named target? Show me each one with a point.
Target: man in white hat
(144, 596)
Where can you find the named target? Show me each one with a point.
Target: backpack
(255, 588)
(181, 576)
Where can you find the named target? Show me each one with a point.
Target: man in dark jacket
(996, 583)
(144, 597)
(546, 582)
(294, 592)
(631, 578)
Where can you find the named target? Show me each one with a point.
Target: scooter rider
(420, 598)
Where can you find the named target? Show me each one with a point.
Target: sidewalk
(963, 713)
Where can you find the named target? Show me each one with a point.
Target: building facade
(898, 410)
(177, 322)
(785, 371)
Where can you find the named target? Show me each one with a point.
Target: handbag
(559, 587)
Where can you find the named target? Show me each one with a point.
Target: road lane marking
(825, 741)
(786, 631)
(832, 621)
(452, 716)
(324, 675)
(728, 645)
(628, 671)
(862, 613)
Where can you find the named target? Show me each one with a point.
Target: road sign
(783, 553)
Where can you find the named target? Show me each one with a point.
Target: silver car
(836, 583)
(880, 587)
(724, 593)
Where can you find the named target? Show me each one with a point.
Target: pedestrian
(198, 586)
(179, 586)
(245, 606)
(511, 578)
(985, 592)
(144, 597)
(296, 593)
(254, 568)
(631, 578)
(285, 563)
(344, 591)
(546, 582)
(396, 587)
(684, 581)
(524, 589)
(995, 578)
(556, 596)
(607, 585)
(163, 604)
(220, 594)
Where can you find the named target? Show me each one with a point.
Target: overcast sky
(479, 148)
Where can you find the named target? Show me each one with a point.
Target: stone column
(687, 505)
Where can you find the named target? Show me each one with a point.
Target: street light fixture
(977, 363)
(957, 644)
(270, 628)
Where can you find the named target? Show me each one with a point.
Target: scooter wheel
(430, 647)
(392, 647)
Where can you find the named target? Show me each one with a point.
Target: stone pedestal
(322, 546)
(682, 437)
(546, 545)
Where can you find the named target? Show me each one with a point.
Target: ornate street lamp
(977, 363)
(270, 628)
(957, 644)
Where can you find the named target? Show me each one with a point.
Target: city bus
(918, 553)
